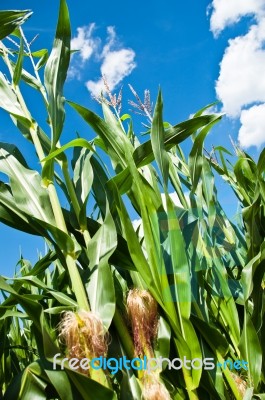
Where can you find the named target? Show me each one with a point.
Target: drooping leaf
(73, 143)
(11, 19)
(25, 184)
(174, 135)
(9, 102)
(196, 157)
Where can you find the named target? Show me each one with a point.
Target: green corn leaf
(261, 162)
(222, 149)
(11, 19)
(62, 298)
(32, 280)
(43, 60)
(251, 350)
(30, 80)
(43, 263)
(10, 313)
(212, 336)
(121, 255)
(209, 191)
(56, 71)
(73, 143)
(99, 184)
(83, 178)
(59, 310)
(61, 383)
(158, 141)
(123, 181)
(162, 347)
(175, 181)
(132, 241)
(83, 175)
(109, 131)
(196, 156)
(182, 285)
(100, 287)
(29, 196)
(19, 63)
(90, 389)
(125, 116)
(29, 384)
(32, 308)
(39, 53)
(174, 135)
(202, 110)
(250, 270)
(226, 303)
(12, 216)
(62, 239)
(25, 185)
(9, 102)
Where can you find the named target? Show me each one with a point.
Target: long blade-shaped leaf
(158, 141)
(174, 135)
(9, 102)
(251, 350)
(26, 186)
(100, 288)
(11, 19)
(56, 71)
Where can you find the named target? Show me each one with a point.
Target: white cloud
(116, 65)
(111, 41)
(252, 131)
(84, 42)
(117, 62)
(87, 45)
(228, 12)
(241, 81)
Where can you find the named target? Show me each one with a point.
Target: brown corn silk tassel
(143, 315)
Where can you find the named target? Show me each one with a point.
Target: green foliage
(205, 271)
(10, 20)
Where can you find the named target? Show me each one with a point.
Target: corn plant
(189, 284)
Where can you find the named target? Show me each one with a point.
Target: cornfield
(186, 285)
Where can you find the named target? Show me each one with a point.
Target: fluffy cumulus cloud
(252, 129)
(84, 42)
(85, 45)
(227, 12)
(115, 67)
(241, 79)
(117, 62)
(241, 82)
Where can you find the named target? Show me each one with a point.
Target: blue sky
(197, 51)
